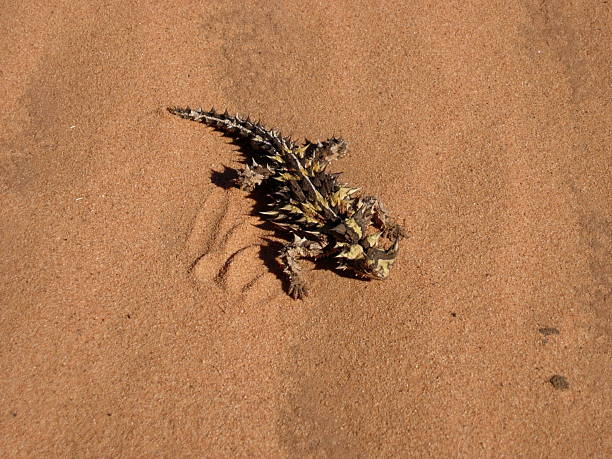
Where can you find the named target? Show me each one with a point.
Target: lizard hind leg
(290, 255)
(328, 150)
(251, 176)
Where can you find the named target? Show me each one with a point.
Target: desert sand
(142, 313)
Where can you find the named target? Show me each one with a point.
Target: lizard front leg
(381, 220)
(291, 254)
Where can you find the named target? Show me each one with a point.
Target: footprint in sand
(225, 248)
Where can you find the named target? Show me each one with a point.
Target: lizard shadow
(224, 179)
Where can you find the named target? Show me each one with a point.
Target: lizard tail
(243, 129)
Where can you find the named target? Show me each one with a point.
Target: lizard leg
(291, 254)
(328, 150)
(381, 220)
(251, 176)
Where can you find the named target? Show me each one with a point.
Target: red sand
(137, 315)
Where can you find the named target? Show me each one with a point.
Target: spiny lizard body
(326, 218)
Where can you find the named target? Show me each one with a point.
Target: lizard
(326, 218)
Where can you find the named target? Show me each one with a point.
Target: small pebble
(559, 382)
(548, 331)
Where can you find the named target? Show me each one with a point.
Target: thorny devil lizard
(326, 218)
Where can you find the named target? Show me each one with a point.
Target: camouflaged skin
(327, 218)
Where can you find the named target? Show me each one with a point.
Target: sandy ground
(139, 316)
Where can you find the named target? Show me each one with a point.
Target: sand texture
(141, 309)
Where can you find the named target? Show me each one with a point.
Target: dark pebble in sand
(548, 331)
(559, 382)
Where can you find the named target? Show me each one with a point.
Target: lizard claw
(298, 289)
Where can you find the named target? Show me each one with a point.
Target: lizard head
(367, 259)
(362, 246)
